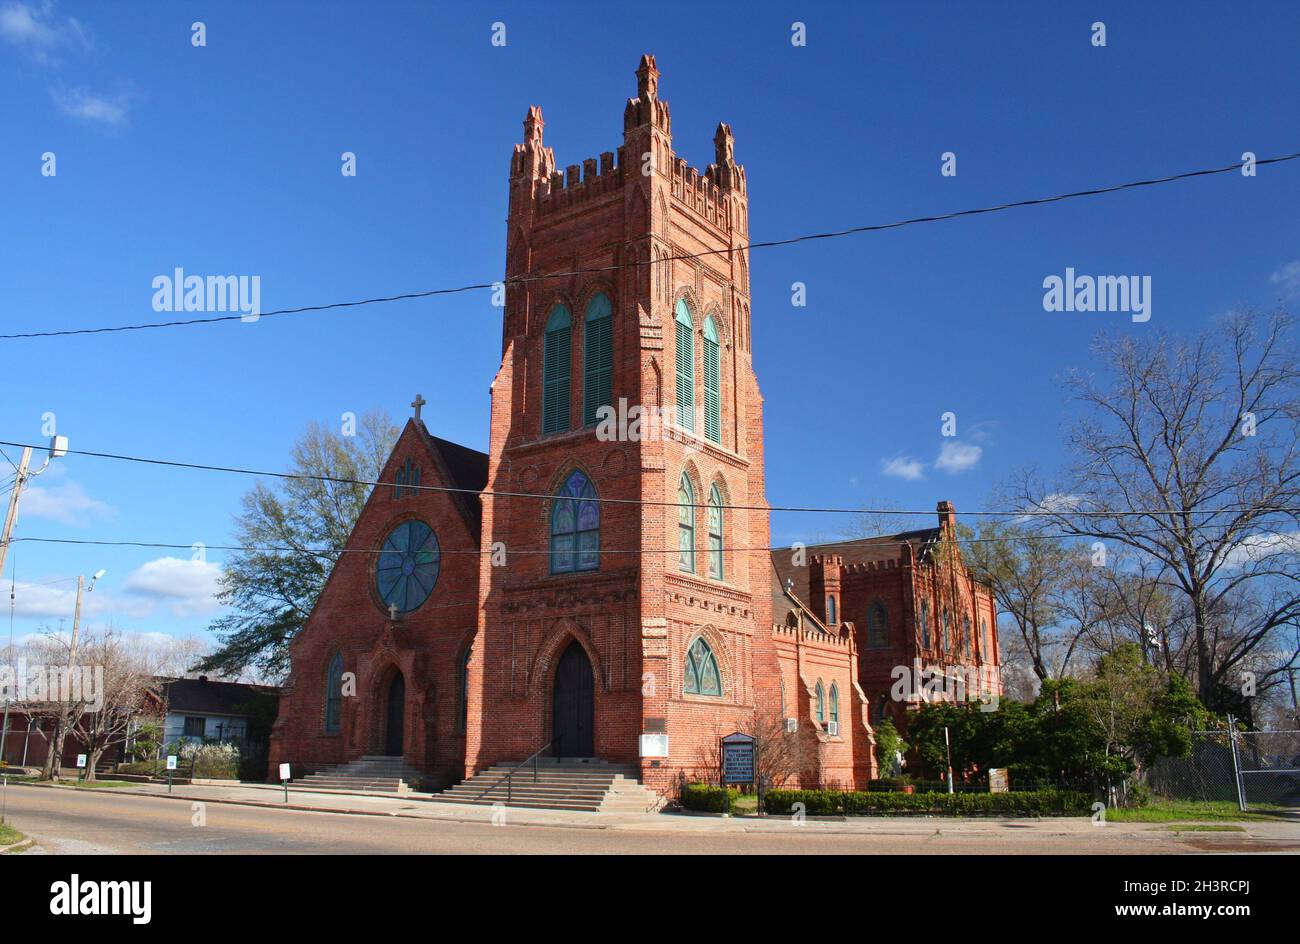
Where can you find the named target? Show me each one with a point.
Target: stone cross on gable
(418, 403)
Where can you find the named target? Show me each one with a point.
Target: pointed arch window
(880, 710)
(685, 525)
(968, 644)
(598, 358)
(462, 692)
(835, 702)
(878, 624)
(832, 617)
(986, 642)
(334, 695)
(925, 624)
(821, 702)
(407, 479)
(715, 534)
(712, 383)
(702, 675)
(575, 526)
(947, 632)
(557, 362)
(685, 366)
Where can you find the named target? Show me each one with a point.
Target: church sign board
(737, 759)
(998, 781)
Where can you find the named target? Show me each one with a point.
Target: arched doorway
(396, 716)
(574, 704)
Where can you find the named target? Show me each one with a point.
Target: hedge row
(708, 798)
(836, 803)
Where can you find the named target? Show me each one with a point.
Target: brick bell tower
(603, 622)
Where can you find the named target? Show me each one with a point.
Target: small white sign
(654, 745)
(284, 772)
(171, 761)
(81, 761)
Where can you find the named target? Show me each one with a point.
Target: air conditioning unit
(833, 728)
(791, 725)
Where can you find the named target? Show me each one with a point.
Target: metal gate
(1245, 767)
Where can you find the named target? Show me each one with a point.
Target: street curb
(19, 846)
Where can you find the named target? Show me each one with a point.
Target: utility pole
(11, 518)
(58, 448)
(60, 732)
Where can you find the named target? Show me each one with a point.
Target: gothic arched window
(686, 525)
(598, 358)
(575, 526)
(556, 363)
(334, 695)
(835, 702)
(462, 692)
(712, 383)
(702, 675)
(715, 534)
(832, 617)
(877, 624)
(947, 632)
(685, 366)
(821, 702)
(967, 642)
(925, 624)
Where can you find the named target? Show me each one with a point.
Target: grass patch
(747, 803)
(9, 835)
(97, 784)
(1172, 811)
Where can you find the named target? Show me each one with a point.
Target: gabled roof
(206, 696)
(878, 548)
(465, 468)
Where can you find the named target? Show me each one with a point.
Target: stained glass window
(462, 692)
(715, 534)
(575, 527)
(947, 632)
(821, 702)
(878, 624)
(685, 366)
(967, 642)
(408, 565)
(702, 676)
(686, 525)
(556, 365)
(925, 624)
(832, 617)
(835, 702)
(407, 479)
(598, 358)
(334, 694)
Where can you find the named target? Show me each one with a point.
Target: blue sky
(225, 159)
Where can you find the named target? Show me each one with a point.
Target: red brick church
(614, 597)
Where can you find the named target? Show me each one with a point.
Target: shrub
(832, 803)
(708, 798)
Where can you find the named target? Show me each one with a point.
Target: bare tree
(1187, 453)
(125, 698)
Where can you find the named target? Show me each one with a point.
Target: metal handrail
(511, 772)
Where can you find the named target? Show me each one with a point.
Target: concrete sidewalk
(426, 806)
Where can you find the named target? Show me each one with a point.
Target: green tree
(292, 535)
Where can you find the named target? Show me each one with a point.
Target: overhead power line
(814, 546)
(766, 244)
(491, 493)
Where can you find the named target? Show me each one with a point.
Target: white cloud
(34, 28)
(59, 601)
(92, 106)
(1288, 277)
(1260, 547)
(190, 586)
(66, 503)
(903, 467)
(958, 457)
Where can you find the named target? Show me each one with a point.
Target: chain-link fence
(1261, 767)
